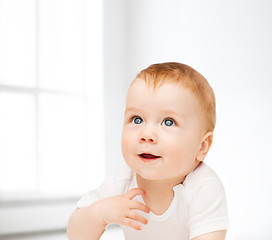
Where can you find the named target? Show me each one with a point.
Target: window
(51, 98)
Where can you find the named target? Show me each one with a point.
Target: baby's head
(183, 75)
(169, 121)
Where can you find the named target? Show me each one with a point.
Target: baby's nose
(149, 137)
(145, 139)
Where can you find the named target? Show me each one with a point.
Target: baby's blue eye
(137, 120)
(168, 122)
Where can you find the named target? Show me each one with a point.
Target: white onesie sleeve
(208, 209)
(115, 185)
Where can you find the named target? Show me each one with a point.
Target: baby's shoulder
(123, 173)
(120, 181)
(202, 175)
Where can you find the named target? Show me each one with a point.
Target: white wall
(115, 78)
(229, 42)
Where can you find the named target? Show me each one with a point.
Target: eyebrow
(170, 112)
(131, 109)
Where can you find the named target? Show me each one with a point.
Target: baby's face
(162, 131)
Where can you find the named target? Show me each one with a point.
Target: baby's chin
(148, 177)
(149, 174)
(149, 171)
(143, 173)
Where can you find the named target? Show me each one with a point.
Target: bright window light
(62, 143)
(51, 97)
(17, 141)
(62, 44)
(17, 42)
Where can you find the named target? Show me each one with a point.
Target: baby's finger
(132, 193)
(139, 206)
(132, 224)
(137, 217)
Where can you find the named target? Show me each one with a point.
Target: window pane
(61, 44)
(62, 143)
(17, 42)
(17, 142)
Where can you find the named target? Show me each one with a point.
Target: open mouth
(147, 157)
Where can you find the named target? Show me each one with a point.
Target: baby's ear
(205, 146)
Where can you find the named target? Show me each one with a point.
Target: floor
(113, 232)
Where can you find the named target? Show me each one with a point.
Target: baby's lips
(148, 155)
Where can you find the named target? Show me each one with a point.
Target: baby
(164, 191)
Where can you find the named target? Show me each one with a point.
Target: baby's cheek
(127, 142)
(126, 137)
(174, 148)
(178, 155)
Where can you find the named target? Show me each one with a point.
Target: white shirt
(198, 207)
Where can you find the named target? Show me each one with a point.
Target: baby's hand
(118, 209)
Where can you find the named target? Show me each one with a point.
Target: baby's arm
(86, 223)
(217, 235)
(89, 223)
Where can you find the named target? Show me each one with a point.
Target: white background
(229, 42)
